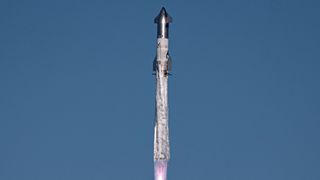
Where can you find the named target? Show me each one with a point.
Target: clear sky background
(77, 91)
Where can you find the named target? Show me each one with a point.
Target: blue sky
(77, 91)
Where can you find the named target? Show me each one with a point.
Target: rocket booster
(162, 68)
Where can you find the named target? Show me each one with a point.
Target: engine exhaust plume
(160, 170)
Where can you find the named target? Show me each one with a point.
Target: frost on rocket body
(161, 136)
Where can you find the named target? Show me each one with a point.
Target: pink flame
(160, 170)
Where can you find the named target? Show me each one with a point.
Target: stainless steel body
(163, 20)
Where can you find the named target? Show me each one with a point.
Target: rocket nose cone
(163, 14)
(163, 11)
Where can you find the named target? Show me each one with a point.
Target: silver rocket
(162, 68)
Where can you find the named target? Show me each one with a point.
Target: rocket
(161, 69)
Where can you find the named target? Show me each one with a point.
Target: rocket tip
(163, 13)
(163, 10)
